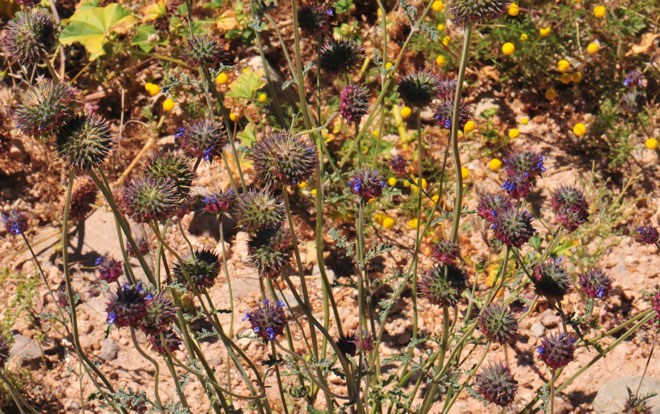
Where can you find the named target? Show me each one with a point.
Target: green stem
(418, 235)
(159, 403)
(175, 378)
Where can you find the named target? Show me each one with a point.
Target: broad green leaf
(141, 39)
(92, 26)
(155, 10)
(246, 85)
(247, 136)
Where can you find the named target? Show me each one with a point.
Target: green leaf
(92, 26)
(141, 40)
(246, 85)
(247, 136)
(343, 6)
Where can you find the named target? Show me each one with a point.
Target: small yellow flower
(441, 60)
(576, 77)
(263, 97)
(412, 223)
(599, 11)
(221, 79)
(233, 116)
(391, 181)
(592, 48)
(579, 129)
(154, 90)
(168, 105)
(435, 199)
(302, 184)
(465, 173)
(545, 31)
(495, 164)
(651, 143)
(445, 40)
(551, 94)
(563, 66)
(508, 48)
(524, 120)
(388, 222)
(313, 191)
(438, 5)
(406, 112)
(388, 65)
(566, 78)
(147, 86)
(514, 133)
(524, 37)
(469, 126)
(460, 133)
(441, 27)
(513, 9)
(371, 200)
(376, 133)
(378, 217)
(406, 183)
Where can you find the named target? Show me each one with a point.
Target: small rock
(537, 330)
(25, 351)
(611, 397)
(549, 319)
(109, 350)
(562, 406)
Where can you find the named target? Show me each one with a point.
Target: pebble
(109, 350)
(549, 319)
(25, 351)
(537, 330)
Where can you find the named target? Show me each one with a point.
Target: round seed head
(108, 268)
(43, 108)
(174, 167)
(498, 324)
(418, 89)
(339, 55)
(367, 184)
(146, 199)
(220, 201)
(270, 250)
(595, 283)
(281, 159)
(259, 209)
(172, 342)
(202, 268)
(528, 163)
(205, 50)
(354, 102)
(204, 138)
(85, 141)
(570, 206)
(446, 251)
(496, 384)
(128, 306)
(477, 11)
(513, 228)
(267, 320)
(160, 314)
(314, 19)
(557, 350)
(83, 197)
(346, 345)
(444, 111)
(443, 285)
(551, 279)
(29, 36)
(490, 205)
(15, 222)
(648, 234)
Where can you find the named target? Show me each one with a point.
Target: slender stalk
(418, 235)
(280, 387)
(648, 360)
(159, 403)
(16, 396)
(552, 391)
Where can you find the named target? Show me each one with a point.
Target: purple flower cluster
(398, 165)
(648, 234)
(267, 320)
(570, 207)
(360, 341)
(108, 268)
(522, 170)
(446, 251)
(15, 222)
(219, 202)
(354, 102)
(557, 350)
(367, 184)
(595, 283)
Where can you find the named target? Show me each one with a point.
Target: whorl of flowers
(398, 165)
(595, 283)
(283, 159)
(446, 89)
(145, 199)
(570, 206)
(477, 11)
(367, 184)
(83, 196)
(490, 204)
(29, 36)
(551, 279)
(444, 111)
(44, 107)
(204, 50)
(171, 166)
(15, 222)
(496, 384)
(557, 350)
(446, 251)
(4, 352)
(270, 250)
(259, 210)
(313, 19)
(128, 306)
(160, 314)
(354, 102)
(648, 234)
(142, 245)
(220, 201)
(108, 268)
(518, 185)
(513, 228)
(85, 141)
(203, 138)
(339, 55)
(172, 342)
(268, 320)
(419, 88)
(202, 268)
(527, 162)
(498, 324)
(443, 285)
(634, 79)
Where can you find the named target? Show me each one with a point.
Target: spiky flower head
(160, 314)
(529, 163)
(202, 268)
(15, 222)
(363, 340)
(339, 55)
(267, 320)
(367, 184)
(444, 111)
(4, 352)
(446, 251)
(496, 384)
(29, 36)
(142, 245)
(570, 206)
(270, 250)
(204, 50)
(634, 79)
(171, 166)
(557, 350)
(219, 202)
(85, 141)
(490, 205)
(648, 234)
(498, 324)
(259, 210)
(128, 306)
(632, 102)
(595, 283)
(419, 88)
(637, 404)
(477, 11)
(446, 90)
(518, 185)
(172, 342)
(513, 228)
(83, 196)
(203, 138)
(398, 165)
(44, 107)
(354, 102)
(551, 279)
(313, 19)
(146, 199)
(346, 345)
(108, 268)
(443, 285)
(283, 159)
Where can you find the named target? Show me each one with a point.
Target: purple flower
(648, 234)
(267, 320)
(15, 222)
(595, 283)
(219, 202)
(367, 184)
(557, 350)
(109, 269)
